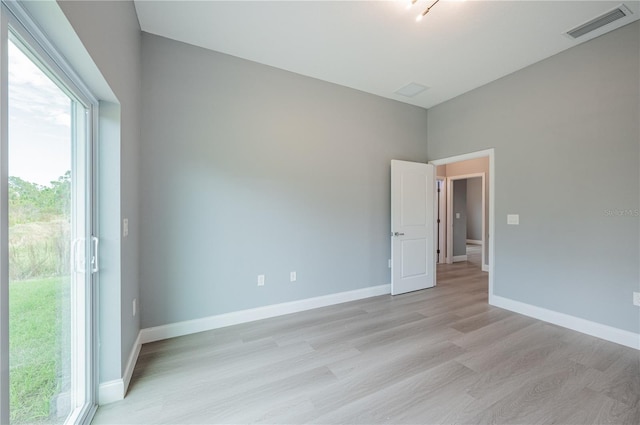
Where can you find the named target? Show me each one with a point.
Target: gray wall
(252, 170)
(566, 138)
(474, 208)
(459, 203)
(111, 34)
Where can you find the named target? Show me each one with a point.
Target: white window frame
(16, 20)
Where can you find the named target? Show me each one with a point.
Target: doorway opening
(467, 212)
(466, 178)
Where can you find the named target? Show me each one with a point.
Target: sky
(39, 123)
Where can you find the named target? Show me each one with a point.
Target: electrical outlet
(389, 262)
(125, 227)
(293, 277)
(636, 298)
(260, 280)
(135, 305)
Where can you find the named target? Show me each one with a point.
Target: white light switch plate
(125, 227)
(636, 298)
(513, 219)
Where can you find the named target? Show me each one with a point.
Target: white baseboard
(588, 327)
(474, 242)
(228, 319)
(457, 258)
(110, 391)
(115, 390)
(131, 363)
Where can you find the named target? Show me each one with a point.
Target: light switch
(125, 227)
(457, 215)
(513, 219)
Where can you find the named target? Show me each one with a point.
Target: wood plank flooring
(438, 356)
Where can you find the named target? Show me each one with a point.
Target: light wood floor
(438, 356)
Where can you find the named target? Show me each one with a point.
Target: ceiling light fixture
(411, 3)
(420, 16)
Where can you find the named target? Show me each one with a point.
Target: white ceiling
(377, 46)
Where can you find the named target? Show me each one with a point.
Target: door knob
(398, 234)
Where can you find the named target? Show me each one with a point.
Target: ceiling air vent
(599, 22)
(411, 90)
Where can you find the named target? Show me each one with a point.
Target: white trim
(110, 391)
(474, 242)
(441, 231)
(449, 232)
(4, 223)
(463, 157)
(584, 326)
(485, 268)
(228, 319)
(131, 364)
(458, 258)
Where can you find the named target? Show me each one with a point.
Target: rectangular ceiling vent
(599, 22)
(411, 90)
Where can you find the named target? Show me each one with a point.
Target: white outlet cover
(261, 280)
(636, 298)
(293, 277)
(513, 219)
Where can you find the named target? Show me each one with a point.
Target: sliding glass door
(52, 256)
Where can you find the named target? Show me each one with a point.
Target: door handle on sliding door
(94, 254)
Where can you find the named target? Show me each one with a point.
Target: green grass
(35, 317)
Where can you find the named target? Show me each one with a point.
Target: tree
(56, 198)
(30, 202)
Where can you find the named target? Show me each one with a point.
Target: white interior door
(412, 226)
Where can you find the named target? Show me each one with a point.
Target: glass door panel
(49, 244)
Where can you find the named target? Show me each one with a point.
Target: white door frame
(450, 181)
(492, 196)
(441, 232)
